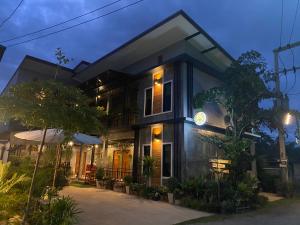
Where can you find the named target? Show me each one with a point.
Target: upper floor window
(167, 98)
(158, 97)
(148, 101)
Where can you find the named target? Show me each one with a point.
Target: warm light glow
(70, 143)
(288, 118)
(200, 118)
(96, 146)
(98, 96)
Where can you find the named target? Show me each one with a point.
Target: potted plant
(148, 169)
(177, 196)
(172, 183)
(127, 181)
(99, 177)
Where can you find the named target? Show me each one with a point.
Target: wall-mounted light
(71, 143)
(158, 81)
(96, 146)
(200, 118)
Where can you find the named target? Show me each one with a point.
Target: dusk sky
(237, 25)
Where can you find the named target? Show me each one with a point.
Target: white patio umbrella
(56, 136)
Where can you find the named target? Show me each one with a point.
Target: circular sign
(200, 118)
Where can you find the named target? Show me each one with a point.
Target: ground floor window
(167, 160)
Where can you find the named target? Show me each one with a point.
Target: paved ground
(111, 208)
(286, 214)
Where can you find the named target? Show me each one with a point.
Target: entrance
(121, 163)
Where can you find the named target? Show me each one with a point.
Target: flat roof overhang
(176, 28)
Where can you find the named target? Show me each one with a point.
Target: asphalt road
(285, 214)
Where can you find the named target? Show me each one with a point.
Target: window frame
(143, 154)
(162, 102)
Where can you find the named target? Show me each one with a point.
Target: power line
(76, 25)
(60, 23)
(11, 14)
(295, 17)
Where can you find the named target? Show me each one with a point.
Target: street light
(287, 119)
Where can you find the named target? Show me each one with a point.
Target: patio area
(106, 207)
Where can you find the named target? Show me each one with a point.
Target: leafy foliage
(61, 211)
(7, 183)
(50, 104)
(244, 87)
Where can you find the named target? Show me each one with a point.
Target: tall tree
(245, 86)
(49, 104)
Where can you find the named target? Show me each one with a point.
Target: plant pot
(171, 198)
(127, 188)
(98, 184)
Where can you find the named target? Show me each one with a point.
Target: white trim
(162, 107)
(162, 150)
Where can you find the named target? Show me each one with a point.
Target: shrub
(128, 180)
(100, 173)
(171, 184)
(61, 211)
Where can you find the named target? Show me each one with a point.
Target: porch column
(135, 166)
(177, 112)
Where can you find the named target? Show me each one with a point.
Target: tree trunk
(57, 163)
(33, 176)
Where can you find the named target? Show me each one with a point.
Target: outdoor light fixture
(288, 118)
(96, 146)
(200, 118)
(158, 81)
(71, 143)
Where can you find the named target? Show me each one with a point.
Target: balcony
(119, 121)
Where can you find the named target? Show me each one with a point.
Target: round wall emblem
(200, 118)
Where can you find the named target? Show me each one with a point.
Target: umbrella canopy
(55, 136)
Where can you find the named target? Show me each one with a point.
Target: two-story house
(147, 87)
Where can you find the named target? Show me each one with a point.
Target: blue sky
(238, 25)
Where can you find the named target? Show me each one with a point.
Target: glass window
(166, 160)
(148, 102)
(146, 150)
(167, 97)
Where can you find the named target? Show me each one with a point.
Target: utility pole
(279, 105)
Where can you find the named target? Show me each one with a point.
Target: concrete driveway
(103, 207)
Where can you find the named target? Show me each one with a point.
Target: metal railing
(117, 173)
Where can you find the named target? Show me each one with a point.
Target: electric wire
(281, 24)
(76, 25)
(294, 22)
(60, 23)
(11, 14)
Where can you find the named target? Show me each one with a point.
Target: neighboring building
(147, 87)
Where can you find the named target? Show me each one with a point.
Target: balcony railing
(122, 120)
(117, 173)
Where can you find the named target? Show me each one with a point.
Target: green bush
(171, 184)
(128, 180)
(100, 173)
(61, 211)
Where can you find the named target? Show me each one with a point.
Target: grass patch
(79, 184)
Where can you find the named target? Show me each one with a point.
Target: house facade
(147, 87)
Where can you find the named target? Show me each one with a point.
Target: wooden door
(116, 163)
(126, 161)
